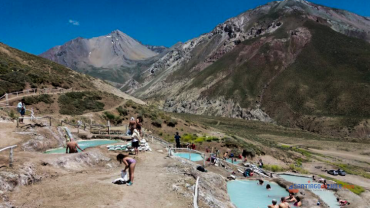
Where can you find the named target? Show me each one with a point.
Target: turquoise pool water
(235, 162)
(327, 196)
(247, 194)
(84, 144)
(193, 156)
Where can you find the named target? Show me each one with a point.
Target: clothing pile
(122, 180)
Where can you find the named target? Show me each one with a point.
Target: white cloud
(74, 22)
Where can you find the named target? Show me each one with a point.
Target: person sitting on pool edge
(298, 203)
(129, 164)
(268, 187)
(291, 198)
(284, 203)
(274, 204)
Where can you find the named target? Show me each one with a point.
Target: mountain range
(291, 62)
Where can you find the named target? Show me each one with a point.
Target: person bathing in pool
(291, 198)
(268, 187)
(274, 204)
(284, 203)
(129, 164)
(298, 203)
(260, 182)
(342, 202)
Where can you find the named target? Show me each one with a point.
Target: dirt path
(342, 154)
(353, 179)
(93, 188)
(8, 136)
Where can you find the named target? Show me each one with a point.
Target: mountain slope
(112, 50)
(292, 62)
(20, 70)
(114, 57)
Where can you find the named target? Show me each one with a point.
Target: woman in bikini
(130, 165)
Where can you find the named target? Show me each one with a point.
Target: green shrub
(157, 123)
(189, 137)
(131, 103)
(298, 169)
(215, 139)
(122, 111)
(199, 139)
(11, 114)
(171, 123)
(274, 168)
(45, 98)
(109, 116)
(77, 103)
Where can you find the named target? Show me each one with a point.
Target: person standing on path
(135, 141)
(177, 139)
(21, 108)
(131, 126)
(130, 164)
(139, 124)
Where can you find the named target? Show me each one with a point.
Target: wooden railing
(196, 191)
(10, 155)
(33, 91)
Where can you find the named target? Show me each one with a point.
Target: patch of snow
(108, 36)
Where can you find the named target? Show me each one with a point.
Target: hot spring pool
(193, 156)
(325, 195)
(235, 162)
(248, 194)
(84, 144)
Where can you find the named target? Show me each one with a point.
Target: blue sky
(37, 25)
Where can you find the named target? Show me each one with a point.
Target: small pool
(248, 194)
(84, 144)
(193, 156)
(235, 162)
(325, 195)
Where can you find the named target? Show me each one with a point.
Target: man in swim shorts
(274, 204)
(72, 146)
(283, 203)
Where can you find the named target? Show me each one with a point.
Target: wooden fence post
(11, 158)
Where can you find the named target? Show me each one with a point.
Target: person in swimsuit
(226, 155)
(283, 203)
(268, 187)
(342, 202)
(72, 147)
(291, 198)
(260, 182)
(274, 204)
(130, 165)
(131, 126)
(298, 203)
(135, 141)
(139, 124)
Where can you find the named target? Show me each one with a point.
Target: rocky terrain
(273, 64)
